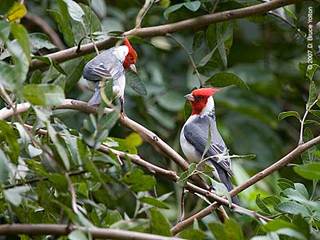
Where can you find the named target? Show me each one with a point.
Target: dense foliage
(261, 61)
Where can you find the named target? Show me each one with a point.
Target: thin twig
(161, 30)
(143, 11)
(308, 108)
(73, 194)
(189, 56)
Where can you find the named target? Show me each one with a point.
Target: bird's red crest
(132, 55)
(205, 92)
(200, 98)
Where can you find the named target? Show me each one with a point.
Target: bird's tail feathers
(96, 98)
(226, 180)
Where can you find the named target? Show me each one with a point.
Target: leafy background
(261, 62)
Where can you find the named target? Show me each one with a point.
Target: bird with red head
(111, 64)
(194, 136)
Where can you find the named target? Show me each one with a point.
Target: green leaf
(21, 34)
(294, 208)
(154, 202)
(218, 230)
(284, 183)
(8, 141)
(291, 233)
(284, 228)
(60, 147)
(310, 171)
(139, 181)
(74, 10)
(233, 230)
(172, 9)
(277, 224)
(39, 41)
(136, 83)
(77, 235)
(63, 25)
(260, 203)
(159, 223)
(15, 195)
(311, 70)
(16, 12)
(43, 94)
(192, 234)
(112, 217)
(4, 167)
(13, 76)
(129, 144)
(75, 74)
(312, 94)
(193, 5)
(224, 79)
(284, 115)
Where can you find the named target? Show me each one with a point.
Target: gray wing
(196, 133)
(103, 66)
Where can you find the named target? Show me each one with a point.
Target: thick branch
(254, 179)
(168, 28)
(61, 230)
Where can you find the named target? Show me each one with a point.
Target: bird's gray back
(103, 66)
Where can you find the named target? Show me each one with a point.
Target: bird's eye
(197, 98)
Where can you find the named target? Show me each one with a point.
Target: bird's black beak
(189, 97)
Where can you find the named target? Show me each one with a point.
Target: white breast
(121, 52)
(188, 150)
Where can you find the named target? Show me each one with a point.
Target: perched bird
(194, 136)
(111, 64)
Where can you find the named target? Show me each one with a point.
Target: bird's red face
(131, 58)
(199, 98)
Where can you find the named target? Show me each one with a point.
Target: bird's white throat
(121, 52)
(209, 107)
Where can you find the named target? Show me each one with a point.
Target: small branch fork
(161, 30)
(159, 144)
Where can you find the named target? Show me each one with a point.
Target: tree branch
(147, 135)
(62, 230)
(136, 159)
(160, 30)
(254, 179)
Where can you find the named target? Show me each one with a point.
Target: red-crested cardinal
(194, 136)
(111, 64)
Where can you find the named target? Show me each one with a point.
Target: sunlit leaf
(309, 171)
(15, 195)
(154, 202)
(284, 115)
(139, 181)
(21, 34)
(43, 94)
(159, 224)
(16, 12)
(224, 79)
